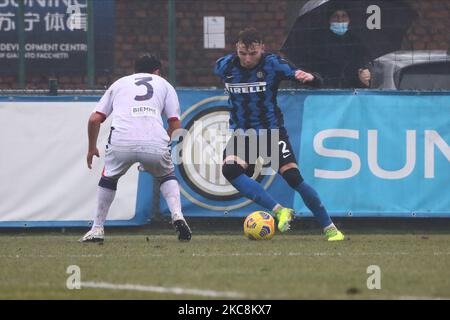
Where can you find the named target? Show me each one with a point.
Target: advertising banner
(56, 36)
(366, 153)
(44, 179)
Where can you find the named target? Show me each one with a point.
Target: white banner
(43, 171)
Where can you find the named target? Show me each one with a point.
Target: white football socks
(104, 199)
(170, 191)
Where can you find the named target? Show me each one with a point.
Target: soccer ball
(259, 225)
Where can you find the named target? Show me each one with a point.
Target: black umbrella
(396, 18)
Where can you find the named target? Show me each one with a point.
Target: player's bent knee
(250, 171)
(293, 177)
(232, 170)
(169, 177)
(288, 166)
(108, 183)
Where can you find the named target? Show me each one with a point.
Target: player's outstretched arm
(303, 76)
(310, 78)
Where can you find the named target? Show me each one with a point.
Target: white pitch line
(47, 256)
(441, 253)
(309, 254)
(172, 290)
(231, 254)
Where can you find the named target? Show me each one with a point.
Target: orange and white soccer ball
(259, 225)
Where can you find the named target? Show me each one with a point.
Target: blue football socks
(312, 201)
(254, 191)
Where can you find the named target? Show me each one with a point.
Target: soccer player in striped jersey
(252, 78)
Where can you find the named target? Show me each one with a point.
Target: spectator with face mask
(337, 54)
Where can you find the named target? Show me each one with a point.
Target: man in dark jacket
(338, 55)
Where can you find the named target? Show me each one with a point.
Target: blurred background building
(188, 35)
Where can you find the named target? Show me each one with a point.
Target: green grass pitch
(153, 264)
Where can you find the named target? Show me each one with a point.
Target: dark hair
(146, 63)
(250, 36)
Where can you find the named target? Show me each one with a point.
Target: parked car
(412, 70)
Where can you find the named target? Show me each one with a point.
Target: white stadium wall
(44, 178)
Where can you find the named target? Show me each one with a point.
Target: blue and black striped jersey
(253, 92)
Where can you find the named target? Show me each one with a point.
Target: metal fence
(87, 44)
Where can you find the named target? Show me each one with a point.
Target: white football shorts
(155, 160)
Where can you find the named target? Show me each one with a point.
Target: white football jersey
(136, 103)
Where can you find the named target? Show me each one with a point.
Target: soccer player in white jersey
(136, 103)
